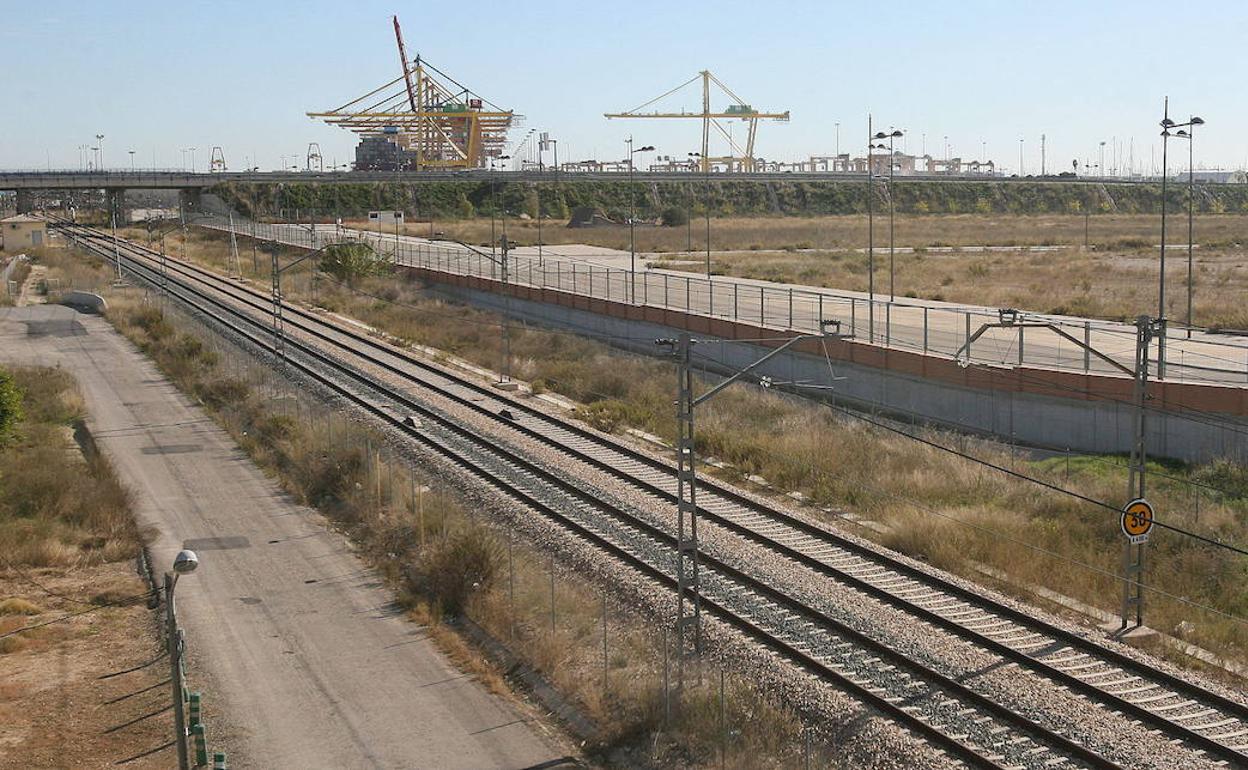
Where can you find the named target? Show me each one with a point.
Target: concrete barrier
(991, 401)
(84, 301)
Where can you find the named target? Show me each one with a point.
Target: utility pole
(504, 370)
(1043, 140)
(117, 248)
(1133, 552)
(235, 267)
(688, 586)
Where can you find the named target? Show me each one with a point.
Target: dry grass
(441, 560)
(967, 515)
(56, 508)
(1114, 284)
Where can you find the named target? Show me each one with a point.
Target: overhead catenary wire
(994, 466)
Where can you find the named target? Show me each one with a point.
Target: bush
(10, 407)
(349, 262)
(675, 216)
(452, 571)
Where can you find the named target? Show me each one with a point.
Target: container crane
(439, 122)
(738, 159)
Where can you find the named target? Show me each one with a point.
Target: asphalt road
(290, 635)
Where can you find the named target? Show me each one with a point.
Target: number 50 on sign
(1137, 520)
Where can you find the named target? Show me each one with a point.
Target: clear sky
(157, 77)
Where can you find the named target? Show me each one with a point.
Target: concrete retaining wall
(1033, 407)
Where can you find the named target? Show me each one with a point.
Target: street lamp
(706, 176)
(1188, 134)
(131, 161)
(872, 137)
(494, 200)
(632, 220)
(183, 564)
(99, 158)
(1166, 125)
(892, 206)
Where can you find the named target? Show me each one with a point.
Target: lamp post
(892, 207)
(494, 200)
(183, 564)
(706, 178)
(1189, 135)
(1166, 125)
(131, 161)
(99, 158)
(632, 220)
(872, 137)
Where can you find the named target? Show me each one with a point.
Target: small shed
(22, 232)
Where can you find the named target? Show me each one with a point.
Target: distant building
(22, 232)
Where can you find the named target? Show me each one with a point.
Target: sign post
(1136, 522)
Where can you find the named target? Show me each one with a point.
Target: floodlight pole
(870, 234)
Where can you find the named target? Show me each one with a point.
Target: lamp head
(184, 562)
(896, 133)
(1181, 133)
(1197, 121)
(880, 135)
(1166, 122)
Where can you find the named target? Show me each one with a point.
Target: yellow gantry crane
(442, 123)
(739, 159)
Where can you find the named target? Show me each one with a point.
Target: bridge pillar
(189, 201)
(115, 205)
(25, 202)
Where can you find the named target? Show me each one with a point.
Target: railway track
(1202, 719)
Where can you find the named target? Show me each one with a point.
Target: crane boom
(407, 74)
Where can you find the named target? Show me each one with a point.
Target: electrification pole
(1133, 552)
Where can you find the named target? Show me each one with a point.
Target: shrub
(452, 571)
(675, 216)
(349, 262)
(10, 407)
(19, 606)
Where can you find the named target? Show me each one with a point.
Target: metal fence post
(734, 301)
(853, 316)
(1087, 346)
(790, 307)
(1021, 329)
(968, 335)
(604, 641)
(925, 309)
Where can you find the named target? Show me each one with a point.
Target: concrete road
(290, 635)
(927, 326)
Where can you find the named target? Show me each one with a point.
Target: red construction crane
(407, 74)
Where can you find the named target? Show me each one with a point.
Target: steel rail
(1041, 667)
(750, 627)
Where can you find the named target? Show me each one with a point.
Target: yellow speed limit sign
(1137, 520)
